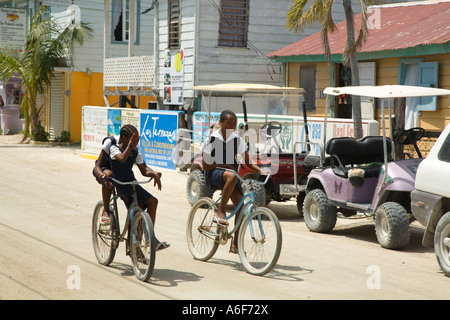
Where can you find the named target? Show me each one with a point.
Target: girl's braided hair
(127, 131)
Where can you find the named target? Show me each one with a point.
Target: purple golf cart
(362, 177)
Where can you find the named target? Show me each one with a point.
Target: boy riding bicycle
(219, 151)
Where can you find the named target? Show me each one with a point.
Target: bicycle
(259, 238)
(141, 239)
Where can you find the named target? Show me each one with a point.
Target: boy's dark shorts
(214, 178)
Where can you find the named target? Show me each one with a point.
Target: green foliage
(39, 134)
(65, 137)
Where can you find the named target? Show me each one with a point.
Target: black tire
(442, 243)
(196, 187)
(143, 251)
(260, 194)
(200, 230)
(300, 200)
(102, 240)
(392, 226)
(260, 253)
(319, 215)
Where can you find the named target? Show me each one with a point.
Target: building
(398, 50)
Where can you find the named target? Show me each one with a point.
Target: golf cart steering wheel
(266, 129)
(411, 136)
(269, 131)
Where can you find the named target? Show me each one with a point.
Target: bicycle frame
(239, 209)
(130, 210)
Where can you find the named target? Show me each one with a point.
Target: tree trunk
(356, 100)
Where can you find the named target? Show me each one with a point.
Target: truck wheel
(442, 243)
(319, 215)
(196, 187)
(392, 226)
(300, 200)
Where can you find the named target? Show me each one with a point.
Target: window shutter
(428, 77)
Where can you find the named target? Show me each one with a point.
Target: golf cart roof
(388, 91)
(245, 87)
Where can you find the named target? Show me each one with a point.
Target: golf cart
(262, 135)
(362, 176)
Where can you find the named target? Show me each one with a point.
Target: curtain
(411, 112)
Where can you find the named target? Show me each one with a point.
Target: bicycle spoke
(260, 242)
(201, 232)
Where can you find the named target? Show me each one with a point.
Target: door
(56, 106)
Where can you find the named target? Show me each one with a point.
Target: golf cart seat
(347, 151)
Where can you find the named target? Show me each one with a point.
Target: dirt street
(47, 195)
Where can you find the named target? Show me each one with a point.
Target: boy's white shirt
(207, 145)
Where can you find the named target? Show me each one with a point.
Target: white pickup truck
(430, 201)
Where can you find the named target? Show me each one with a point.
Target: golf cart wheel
(300, 200)
(442, 243)
(260, 194)
(392, 226)
(319, 215)
(196, 187)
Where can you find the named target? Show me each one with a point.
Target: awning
(388, 91)
(245, 87)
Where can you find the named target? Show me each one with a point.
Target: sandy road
(47, 195)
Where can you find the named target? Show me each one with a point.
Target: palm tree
(44, 47)
(320, 11)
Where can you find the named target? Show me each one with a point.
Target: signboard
(201, 125)
(159, 137)
(13, 27)
(174, 77)
(93, 129)
(114, 121)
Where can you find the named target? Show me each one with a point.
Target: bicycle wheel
(259, 253)
(144, 249)
(102, 236)
(201, 231)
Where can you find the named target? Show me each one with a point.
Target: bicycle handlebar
(131, 182)
(243, 180)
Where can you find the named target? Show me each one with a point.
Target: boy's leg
(236, 197)
(230, 180)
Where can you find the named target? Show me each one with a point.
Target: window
(174, 24)
(444, 153)
(233, 24)
(308, 83)
(415, 72)
(121, 20)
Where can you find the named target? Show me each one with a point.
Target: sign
(201, 125)
(13, 28)
(174, 77)
(93, 129)
(159, 138)
(114, 121)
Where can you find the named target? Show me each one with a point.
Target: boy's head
(228, 120)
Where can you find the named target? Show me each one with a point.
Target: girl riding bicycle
(123, 156)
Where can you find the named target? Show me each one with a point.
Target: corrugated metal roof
(395, 27)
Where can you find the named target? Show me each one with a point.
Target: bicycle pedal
(223, 234)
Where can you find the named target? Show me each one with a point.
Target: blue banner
(159, 137)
